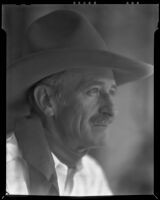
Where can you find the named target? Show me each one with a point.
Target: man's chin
(98, 140)
(92, 145)
(99, 135)
(97, 144)
(99, 131)
(94, 137)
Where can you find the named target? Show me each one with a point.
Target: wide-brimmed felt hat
(58, 41)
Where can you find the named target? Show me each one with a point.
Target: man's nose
(107, 111)
(107, 106)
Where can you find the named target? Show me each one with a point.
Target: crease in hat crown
(62, 29)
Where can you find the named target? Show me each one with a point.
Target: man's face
(86, 108)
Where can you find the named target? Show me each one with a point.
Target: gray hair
(55, 81)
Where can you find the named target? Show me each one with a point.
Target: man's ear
(43, 96)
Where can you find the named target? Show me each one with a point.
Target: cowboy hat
(62, 40)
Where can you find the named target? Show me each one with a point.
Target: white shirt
(89, 180)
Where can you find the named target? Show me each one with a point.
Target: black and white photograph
(79, 99)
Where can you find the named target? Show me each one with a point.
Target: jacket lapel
(32, 142)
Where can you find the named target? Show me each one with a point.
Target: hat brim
(33, 68)
(27, 71)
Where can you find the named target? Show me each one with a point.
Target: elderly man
(59, 105)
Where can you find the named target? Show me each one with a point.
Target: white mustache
(102, 119)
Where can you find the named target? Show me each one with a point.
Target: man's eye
(93, 91)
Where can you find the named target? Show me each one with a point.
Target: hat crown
(62, 29)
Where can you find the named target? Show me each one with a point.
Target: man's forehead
(95, 72)
(99, 75)
(88, 77)
(98, 80)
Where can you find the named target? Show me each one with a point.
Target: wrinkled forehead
(83, 76)
(98, 74)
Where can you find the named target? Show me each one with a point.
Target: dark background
(127, 29)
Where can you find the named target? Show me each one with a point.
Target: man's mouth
(101, 120)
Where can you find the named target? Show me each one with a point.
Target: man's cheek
(72, 115)
(91, 110)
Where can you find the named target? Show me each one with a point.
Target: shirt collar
(59, 163)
